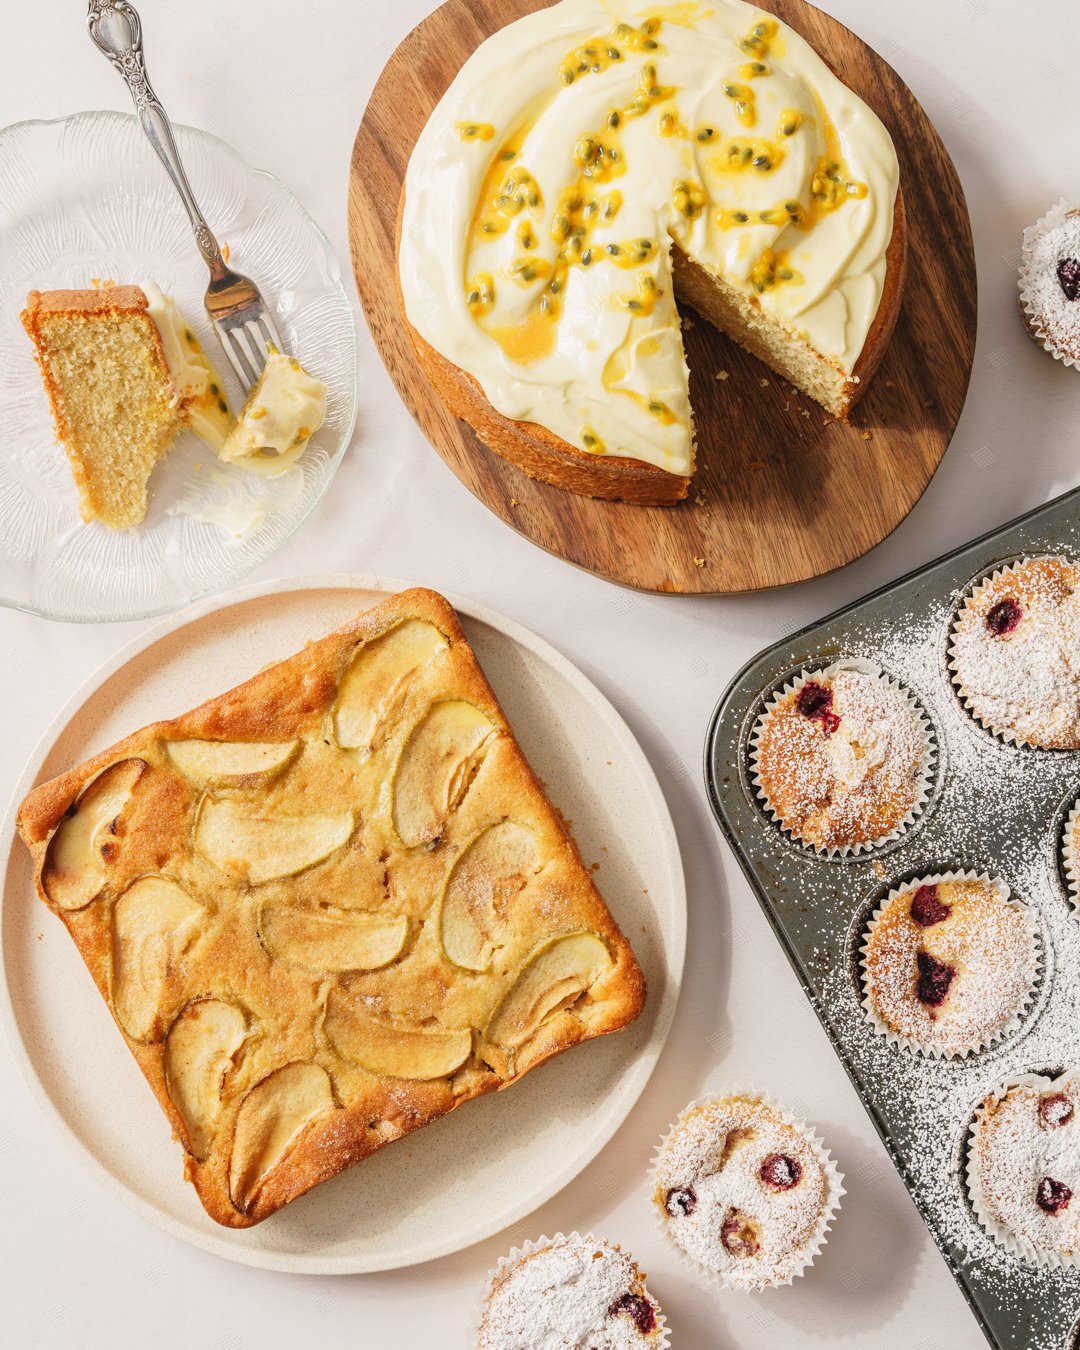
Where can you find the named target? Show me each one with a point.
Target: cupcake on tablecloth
(1023, 1167)
(1014, 653)
(570, 1293)
(842, 758)
(1050, 281)
(949, 964)
(744, 1192)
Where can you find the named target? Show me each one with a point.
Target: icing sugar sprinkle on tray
(997, 809)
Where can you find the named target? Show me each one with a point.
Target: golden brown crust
(101, 300)
(287, 1011)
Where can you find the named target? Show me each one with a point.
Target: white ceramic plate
(85, 197)
(473, 1172)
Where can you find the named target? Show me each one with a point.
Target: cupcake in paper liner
(1070, 855)
(569, 1291)
(1050, 281)
(744, 1192)
(843, 758)
(949, 964)
(1013, 653)
(1023, 1168)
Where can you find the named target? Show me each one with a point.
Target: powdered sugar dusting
(716, 1205)
(997, 808)
(566, 1295)
(852, 777)
(1024, 1138)
(981, 938)
(1024, 683)
(1054, 317)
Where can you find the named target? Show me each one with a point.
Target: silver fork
(233, 302)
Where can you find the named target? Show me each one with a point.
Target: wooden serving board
(782, 492)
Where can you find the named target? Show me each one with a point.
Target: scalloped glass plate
(86, 197)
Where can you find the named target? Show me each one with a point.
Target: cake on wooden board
(329, 906)
(637, 153)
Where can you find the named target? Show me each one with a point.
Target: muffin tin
(995, 807)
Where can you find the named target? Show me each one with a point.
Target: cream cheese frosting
(575, 146)
(195, 382)
(283, 411)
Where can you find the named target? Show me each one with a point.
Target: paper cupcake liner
(1029, 309)
(517, 1254)
(834, 1190)
(1006, 734)
(995, 1037)
(1070, 859)
(925, 771)
(1014, 1243)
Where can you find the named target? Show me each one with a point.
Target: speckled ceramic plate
(85, 197)
(456, 1181)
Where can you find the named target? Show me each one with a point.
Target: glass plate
(85, 197)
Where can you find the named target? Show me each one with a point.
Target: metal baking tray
(994, 807)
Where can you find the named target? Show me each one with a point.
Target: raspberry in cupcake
(570, 1292)
(1023, 1167)
(842, 758)
(948, 963)
(745, 1192)
(1015, 654)
(1050, 282)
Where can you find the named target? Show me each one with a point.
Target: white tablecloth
(286, 84)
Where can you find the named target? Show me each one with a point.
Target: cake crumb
(699, 562)
(723, 374)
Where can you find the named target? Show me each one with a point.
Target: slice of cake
(598, 160)
(329, 906)
(123, 374)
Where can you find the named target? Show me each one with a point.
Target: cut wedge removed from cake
(595, 161)
(330, 906)
(123, 373)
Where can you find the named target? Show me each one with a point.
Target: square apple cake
(329, 906)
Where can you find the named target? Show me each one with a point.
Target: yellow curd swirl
(538, 257)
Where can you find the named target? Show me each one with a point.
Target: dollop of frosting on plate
(283, 411)
(575, 147)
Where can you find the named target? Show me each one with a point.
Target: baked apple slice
(230, 763)
(552, 978)
(153, 923)
(437, 766)
(376, 684)
(488, 874)
(261, 846)
(199, 1051)
(394, 1051)
(271, 1119)
(73, 873)
(330, 939)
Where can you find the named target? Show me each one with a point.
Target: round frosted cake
(1015, 653)
(567, 1293)
(1024, 1167)
(947, 963)
(842, 758)
(744, 1192)
(599, 157)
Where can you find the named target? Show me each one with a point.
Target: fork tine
(256, 341)
(237, 354)
(269, 332)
